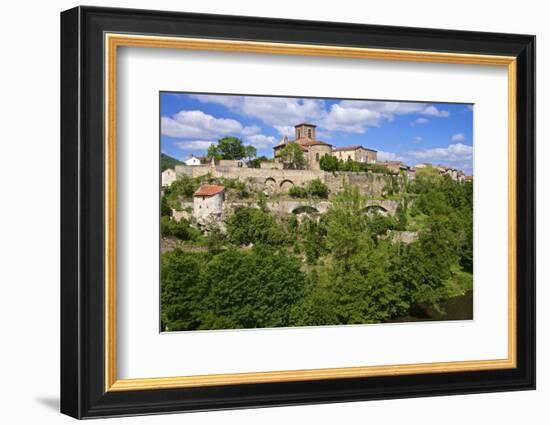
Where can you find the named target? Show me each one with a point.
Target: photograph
(308, 211)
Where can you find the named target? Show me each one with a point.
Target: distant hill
(167, 161)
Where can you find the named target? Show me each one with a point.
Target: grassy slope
(167, 161)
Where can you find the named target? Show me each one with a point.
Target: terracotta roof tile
(209, 190)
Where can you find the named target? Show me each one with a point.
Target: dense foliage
(231, 148)
(341, 267)
(313, 189)
(332, 164)
(255, 163)
(293, 157)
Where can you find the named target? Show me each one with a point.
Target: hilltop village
(317, 235)
(281, 180)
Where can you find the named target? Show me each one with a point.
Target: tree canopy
(230, 148)
(292, 156)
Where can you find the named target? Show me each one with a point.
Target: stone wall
(275, 180)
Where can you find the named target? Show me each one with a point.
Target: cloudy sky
(413, 132)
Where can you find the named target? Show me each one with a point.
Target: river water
(456, 308)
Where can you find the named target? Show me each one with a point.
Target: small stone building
(208, 202)
(355, 153)
(168, 177)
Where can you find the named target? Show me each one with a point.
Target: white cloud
(356, 116)
(227, 101)
(194, 145)
(198, 125)
(251, 130)
(261, 141)
(279, 112)
(348, 115)
(420, 120)
(434, 112)
(459, 137)
(350, 118)
(452, 154)
(388, 156)
(285, 130)
(417, 139)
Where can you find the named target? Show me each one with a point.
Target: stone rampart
(276, 180)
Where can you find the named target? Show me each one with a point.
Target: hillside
(167, 161)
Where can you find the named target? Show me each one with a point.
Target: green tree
(314, 189)
(329, 163)
(231, 148)
(181, 297)
(251, 289)
(214, 152)
(347, 225)
(317, 189)
(250, 152)
(313, 233)
(228, 148)
(165, 210)
(255, 163)
(252, 226)
(401, 215)
(292, 156)
(179, 229)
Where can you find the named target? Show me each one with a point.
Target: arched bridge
(384, 206)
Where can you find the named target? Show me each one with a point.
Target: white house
(192, 160)
(208, 202)
(168, 177)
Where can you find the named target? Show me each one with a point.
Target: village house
(396, 167)
(208, 202)
(192, 161)
(355, 153)
(168, 177)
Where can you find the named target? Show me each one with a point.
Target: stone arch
(270, 182)
(375, 208)
(307, 209)
(286, 185)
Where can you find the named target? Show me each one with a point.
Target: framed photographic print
(261, 212)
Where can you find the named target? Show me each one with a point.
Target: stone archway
(376, 209)
(270, 183)
(286, 185)
(307, 209)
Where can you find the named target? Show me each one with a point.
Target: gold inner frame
(113, 41)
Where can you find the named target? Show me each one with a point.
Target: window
(317, 157)
(309, 133)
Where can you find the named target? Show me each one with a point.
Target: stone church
(314, 150)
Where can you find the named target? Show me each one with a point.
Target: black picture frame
(83, 392)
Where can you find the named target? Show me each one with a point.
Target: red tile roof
(209, 190)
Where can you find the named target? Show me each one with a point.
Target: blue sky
(413, 132)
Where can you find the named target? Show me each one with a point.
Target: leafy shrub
(251, 226)
(178, 229)
(315, 189)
